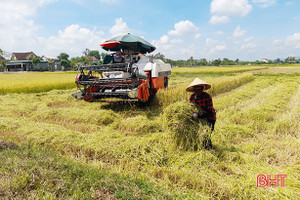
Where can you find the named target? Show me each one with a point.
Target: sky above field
(211, 29)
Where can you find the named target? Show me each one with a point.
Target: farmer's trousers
(211, 124)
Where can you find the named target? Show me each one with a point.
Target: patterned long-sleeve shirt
(205, 102)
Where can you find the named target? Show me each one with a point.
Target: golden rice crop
(279, 70)
(256, 132)
(215, 70)
(186, 132)
(219, 85)
(137, 125)
(225, 84)
(35, 82)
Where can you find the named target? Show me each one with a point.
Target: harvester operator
(203, 101)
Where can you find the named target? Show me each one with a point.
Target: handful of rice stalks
(186, 132)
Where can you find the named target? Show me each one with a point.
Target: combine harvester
(126, 74)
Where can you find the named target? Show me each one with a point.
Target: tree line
(75, 62)
(86, 59)
(225, 61)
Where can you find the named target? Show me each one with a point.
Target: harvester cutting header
(126, 74)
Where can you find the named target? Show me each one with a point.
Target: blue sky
(244, 29)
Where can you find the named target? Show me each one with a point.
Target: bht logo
(263, 181)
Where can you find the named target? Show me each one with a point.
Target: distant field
(216, 70)
(46, 81)
(35, 82)
(131, 155)
(280, 70)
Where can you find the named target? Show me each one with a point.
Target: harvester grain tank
(126, 74)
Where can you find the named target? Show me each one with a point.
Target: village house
(53, 63)
(23, 56)
(23, 62)
(265, 60)
(92, 60)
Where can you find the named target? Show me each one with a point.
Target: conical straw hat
(197, 82)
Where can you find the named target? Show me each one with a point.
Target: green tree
(2, 60)
(257, 62)
(78, 61)
(216, 62)
(86, 52)
(191, 61)
(35, 61)
(64, 60)
(277, 61)
(203, 61)
(94, 53)
(290, 60)
(64, 56)
(65, 63)
(227, 61)
(237, 61)
(159, 56)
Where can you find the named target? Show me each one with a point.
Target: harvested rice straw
(186, 132)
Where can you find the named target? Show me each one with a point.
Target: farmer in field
(204, 101)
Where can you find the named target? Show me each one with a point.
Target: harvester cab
(127, 74)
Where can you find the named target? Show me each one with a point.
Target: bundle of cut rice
(185, 131)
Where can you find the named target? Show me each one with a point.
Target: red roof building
(23, 56)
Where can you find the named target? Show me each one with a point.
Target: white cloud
(21, 7)
(169, 47)
(230, 7)
(223, 9)
(210, 42)
(248, 46)
(183, 28)
(163, 44)
(293, 40)
(264, 3)
(219, 33)
(72, 40)
(276, 42)
(216, 19)
(176, 41)
(164, 39)
(119, 28)
(197, 36)
(188, 51)
(238, 32)
(16, 20)
(218, 48)
(249, 39)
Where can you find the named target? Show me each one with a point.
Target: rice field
(35, 82)
(216, 70)
(257, 132)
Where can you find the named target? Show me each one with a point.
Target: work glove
(195, 116)
(202, 114)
